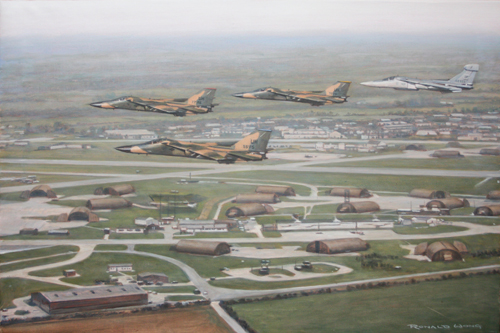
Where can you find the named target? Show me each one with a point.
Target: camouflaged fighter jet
(333, 94)
(456, 84)
(251, 148)
(180, 107)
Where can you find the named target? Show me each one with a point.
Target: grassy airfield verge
(44, 179)
(476, 163)
(36, 253)
(94, 268)
(30, 169)
(376, 182)
(35, 262)
(13, 288)
(388, 253)
(423, 228)
(426, 303)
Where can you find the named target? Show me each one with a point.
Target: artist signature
(443, 327)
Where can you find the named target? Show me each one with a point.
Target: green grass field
(30, 169)
(383, 310)
(376, 182)
(75, 233)
(36, 253)
(35, 262)
(94, 268)
(422, 228)
(485, 163)
(13, 288)
(208, 266)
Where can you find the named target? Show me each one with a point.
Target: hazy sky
(237, 17)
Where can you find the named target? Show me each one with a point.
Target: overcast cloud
(236, 17)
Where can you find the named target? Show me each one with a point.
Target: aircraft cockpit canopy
(389, 78)
(154, 141)
(261, 89)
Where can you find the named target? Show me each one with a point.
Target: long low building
(428, 194)
(342, 245)
(349, 192)
(493, 195)
(358, 207)
(450, 203)
(91, 298)
(249, 209)
(39, 191)
(447, 154)
(488, 210)
(441, 251)
(202, 247)
(108, 203)
(257, 198)
(279, 190)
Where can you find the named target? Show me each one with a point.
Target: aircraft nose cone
(372, 84)
(240, 95)
(102, 105)
(125, 149)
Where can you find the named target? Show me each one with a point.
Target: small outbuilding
(442, 251)
(279, 190)
(120, 267)
(249, 209)
(449, 203)
(119, 189)
(358, 207)
(493, 195)
(353, 192)
(447, 154)
(331, 246)
(490, 151)
(39, 191)
(108, 203)
(202, 247)
(415, 147)
(428, 194)
(28, 231)
(69, 272)
(488, 210)
(257, 198)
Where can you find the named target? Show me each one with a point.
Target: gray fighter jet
(201, 102)
(462, 81)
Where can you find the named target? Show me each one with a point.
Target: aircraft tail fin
(466, 77)
(255, 142)
(339, 89)
(203, 98)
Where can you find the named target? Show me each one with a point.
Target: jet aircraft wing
(245, 155)
(298, 98)
(168, 108)
(442, 88)
(193, 153)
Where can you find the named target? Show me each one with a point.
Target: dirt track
(199, 319)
